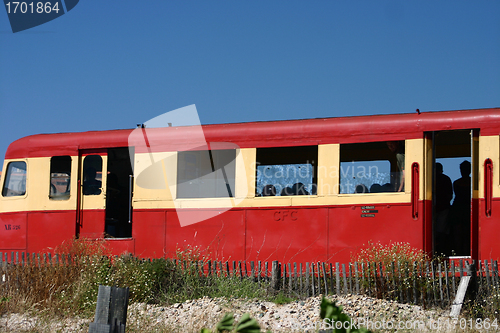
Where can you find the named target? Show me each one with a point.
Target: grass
(66, 290)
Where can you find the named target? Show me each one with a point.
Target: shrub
(398, 252)
(404, 266)
(71, 287)
(83, 248)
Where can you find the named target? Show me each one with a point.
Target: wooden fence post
(259, 271)
(324, 278)
(471, 270)
(331, 278)
(350, 278)
(307, 279)
(301, 277)
(312, 279)
(487, 271)
(284, 275)
(275, 275)
(494, 268)
(296, 277)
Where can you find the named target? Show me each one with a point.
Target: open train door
(451, 195)
(105, 194)
(119, 191)
(92, 193)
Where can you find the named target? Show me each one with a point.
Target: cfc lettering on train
(283, 215)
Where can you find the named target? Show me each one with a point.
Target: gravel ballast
(297, 316)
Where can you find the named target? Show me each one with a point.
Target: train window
(372, 167)
(206, 173)
(92, 175)
(15, 180)
(60, 177)
(286, 171)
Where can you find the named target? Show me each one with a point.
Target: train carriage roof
(266, 133)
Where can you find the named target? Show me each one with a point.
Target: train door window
(15, 180)
(453, 178)
(286, 171)
(372, 167)
(206, 173)
(60, 177)
(92, 175)
(119, 193)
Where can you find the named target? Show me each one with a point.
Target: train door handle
(488, 186)
(415, 189)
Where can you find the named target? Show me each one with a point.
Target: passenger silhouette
(91, 186)
(460, 211)
(376, 188)
(444, 194)
(361, 188)
(398, 148)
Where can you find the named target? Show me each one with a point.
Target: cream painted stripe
(414, 152)
(328, 156)
(38, 188)
(328, 169)
(162, 171)
(246, 168)
(427, 172)
(489, 147)
(343, 199)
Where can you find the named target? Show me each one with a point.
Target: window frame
(307, 151)
(4, 180)
(62, 196)
(85, 185)
(406, 175)
(231, 181)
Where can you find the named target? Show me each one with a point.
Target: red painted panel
(148, 230)
(46, 230)
(120, 245)
(489, 231)
(474, 236)
(352, 227)
(13, 231)
(287, 234)
(223, 235)
(427, 230)
(92, 223)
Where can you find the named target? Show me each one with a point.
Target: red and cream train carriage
(294, 191)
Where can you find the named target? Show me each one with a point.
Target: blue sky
(113, 64)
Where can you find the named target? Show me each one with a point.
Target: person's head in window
(395, 146)
(361, 188)
(465, 168)
(376, 188)
(269, 191)
(299, 189)
(439, 168)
